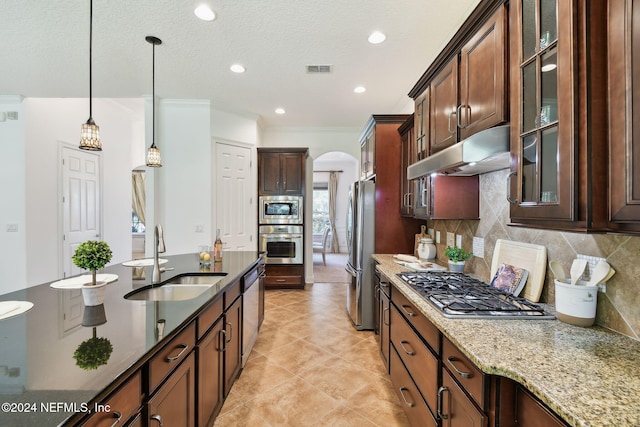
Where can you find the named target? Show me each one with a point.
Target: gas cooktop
(457, 295)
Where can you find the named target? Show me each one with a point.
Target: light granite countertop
(588, 376)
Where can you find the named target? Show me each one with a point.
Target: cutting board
(423, 234)
(532, 258)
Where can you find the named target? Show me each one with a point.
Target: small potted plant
(457, 257)
(93, 352)
(92, 255)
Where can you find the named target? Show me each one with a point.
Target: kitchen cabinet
(170, 356)
(383, 318)
(232, 342)
(174, 402)
(558, 115)
(123, 404)
(281, 171)
(408, 152)
(482, 78)
(279, 276)
(624, 107)
(421, 125)
(443, 105)
(368, 156)
(457, 410)
(447, 197)
(210, 362)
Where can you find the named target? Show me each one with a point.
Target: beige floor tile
(310, 367)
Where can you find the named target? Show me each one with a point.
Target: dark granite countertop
(36, 348)
(588, 376)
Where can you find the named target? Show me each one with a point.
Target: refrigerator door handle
(350, 270)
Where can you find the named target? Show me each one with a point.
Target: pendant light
(153, 154)
(90, 135)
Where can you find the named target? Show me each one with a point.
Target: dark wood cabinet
(123, 404)
(384, 319)
(483, 78)
(447, 197)
(368, 156)
(421, 125)
(408, 152)
(210, 363)
(281, 171)
(443, 106)
(624, 114)
(457, 410)
(173, 404)
(170, 356)
(279, 276)
(232, 344)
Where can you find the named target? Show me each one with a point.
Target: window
(136, 225)
(320, 206)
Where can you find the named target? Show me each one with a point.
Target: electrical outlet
(450, 239)
(478, 247)
(438, 237)
(12, 228)
(459, 240)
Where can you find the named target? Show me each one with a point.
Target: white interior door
(80, 203)
(235, 213)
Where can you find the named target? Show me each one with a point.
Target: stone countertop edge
(588, 376)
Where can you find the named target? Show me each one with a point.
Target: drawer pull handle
(409, 313)
(281, 280)
(179, 355)
(463, 374)
(157, 418)
(408, 403)
(118, 417)
(410, 353)
(441, 414)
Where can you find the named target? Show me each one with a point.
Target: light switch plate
(459, 240)
(12, 228)
(478, 247)
(438, 237)
(450, 239)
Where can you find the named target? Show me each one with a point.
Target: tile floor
(310, 367)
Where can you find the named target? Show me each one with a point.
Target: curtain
(137, 181)
(333, 190)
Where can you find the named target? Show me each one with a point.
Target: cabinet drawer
(425, 328)
(209, 316)
(283, 280)
(232, 292)
(171, 355)
(465, 372)
(410, 399)
(417, 357)
(531, 413)
(456, 408)
(122, 404)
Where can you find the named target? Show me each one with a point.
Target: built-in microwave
(280, 210)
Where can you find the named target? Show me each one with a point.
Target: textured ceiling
(44, 53)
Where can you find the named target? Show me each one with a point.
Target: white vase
(457, 266)
(94, 294)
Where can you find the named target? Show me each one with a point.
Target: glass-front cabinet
(541, 183)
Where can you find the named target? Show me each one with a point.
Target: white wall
(46, 124)
(13, 268)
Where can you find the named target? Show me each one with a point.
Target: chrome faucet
(158, 247)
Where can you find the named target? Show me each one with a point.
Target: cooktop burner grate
(457, 295)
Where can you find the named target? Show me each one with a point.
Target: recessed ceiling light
(360, 89)
(237, 68)
(377, 37)
(280, 111)
(205, 13)
(548, 67)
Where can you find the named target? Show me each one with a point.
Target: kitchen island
(40, 383)
(587, 376)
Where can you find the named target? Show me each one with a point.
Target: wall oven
(282, 244)
(280, 209)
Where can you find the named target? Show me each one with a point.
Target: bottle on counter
(217, 247)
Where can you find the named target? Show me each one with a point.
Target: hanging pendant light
(153, 154)
(90, 135)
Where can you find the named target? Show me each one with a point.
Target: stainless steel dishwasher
(251, 312)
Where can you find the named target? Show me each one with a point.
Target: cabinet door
(407, 141)
(542, 117)
(291, 173)
(444, 102)
(269, 165)
(367, 155)
(421, 126)
(385, 317)
(122, 405)
(210, 363)
(232, 344)
(174, 402)
(482, 78)
(456, 409)
(624, 107)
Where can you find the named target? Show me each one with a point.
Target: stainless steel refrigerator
(361, 243)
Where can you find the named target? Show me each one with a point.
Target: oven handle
(281, 237)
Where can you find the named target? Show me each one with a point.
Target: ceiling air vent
(318, 69)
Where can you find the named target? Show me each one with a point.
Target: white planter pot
(457, 266)
(94, 295)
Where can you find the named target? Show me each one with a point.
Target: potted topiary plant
(92, 255)
(93, 352)
(457, 258)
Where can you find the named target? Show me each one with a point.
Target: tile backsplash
(618, 308)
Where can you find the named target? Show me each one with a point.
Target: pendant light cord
(90, 57)
(153, 96)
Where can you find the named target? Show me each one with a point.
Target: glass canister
(426, 249)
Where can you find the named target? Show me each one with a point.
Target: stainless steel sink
(177, 289)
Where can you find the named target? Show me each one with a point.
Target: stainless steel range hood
(486, 151)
